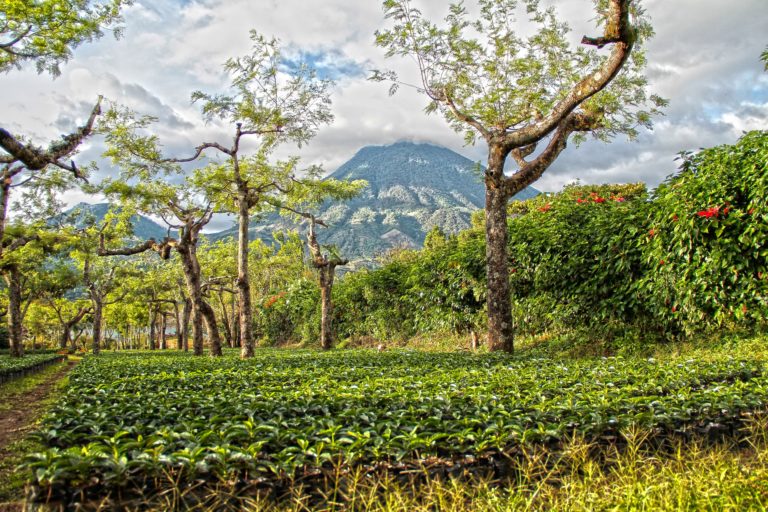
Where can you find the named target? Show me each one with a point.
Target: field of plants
(129, 418)
(11, 367)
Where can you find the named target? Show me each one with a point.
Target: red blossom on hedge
(661, 262)
(580, 200)
(652, 233)
(709, 212)
(599, 199)
(546, 207)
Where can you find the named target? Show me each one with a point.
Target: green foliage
(502, 78)
(126, 419)
(576, 257)
(266, 100)
(705, 249)
(46, 31)
(10, 366)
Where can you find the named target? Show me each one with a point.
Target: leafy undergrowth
(285, 419)
(9, 366)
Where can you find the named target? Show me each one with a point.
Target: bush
(706, 247)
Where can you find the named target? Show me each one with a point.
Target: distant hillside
(143, 227)
(412, 188)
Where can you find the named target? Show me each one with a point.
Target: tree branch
(619, 32)
(532, 171)
(36, 159)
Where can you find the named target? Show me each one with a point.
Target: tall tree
(272, 103)
(184, 207)
(325, 264)
(523, 96)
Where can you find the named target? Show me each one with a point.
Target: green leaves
(482, 71)
(285, 412)
(709, 229)
(45, 32)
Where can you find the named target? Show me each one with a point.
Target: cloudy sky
(704, 59)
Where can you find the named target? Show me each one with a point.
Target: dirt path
(22, 402)
(25, 408)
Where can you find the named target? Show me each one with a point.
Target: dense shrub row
(688, 257)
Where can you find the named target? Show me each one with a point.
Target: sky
(704, 59)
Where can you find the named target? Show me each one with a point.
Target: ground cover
(12, 367)
(129, 419)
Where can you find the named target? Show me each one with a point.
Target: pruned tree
(183, 207)
(269, 103)
(325, 264)
(525, 97)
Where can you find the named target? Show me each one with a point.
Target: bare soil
(18, 417)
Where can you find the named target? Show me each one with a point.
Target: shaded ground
(22, 401)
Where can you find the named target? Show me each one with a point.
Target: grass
(11, 394)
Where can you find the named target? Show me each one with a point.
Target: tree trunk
(179, 334)
(500, 329)
(186, 313)
(326, 306)
(234, 323)
(200, 308)
(12, 277)
(225, 321)
(151, 340)
(210, 322)
(163, 335)
(98, 307)
(65, 338)
(243, 282)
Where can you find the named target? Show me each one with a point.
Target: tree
(517, 93)
(326, 269)
(278, 105)
(46, 31)
(184, 207)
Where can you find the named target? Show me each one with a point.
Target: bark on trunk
(225, 321)
(243, 283)
(98, 307)
(151, 340)
(213, 333)
(12, 277)
(235, 325)
(191, 268)
(163, 335)
(179, 334)
(500, 329)
(326, 306)
(186, 313)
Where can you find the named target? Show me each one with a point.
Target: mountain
(143, 227)
(411, 188)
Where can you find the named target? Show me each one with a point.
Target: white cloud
(704, 59)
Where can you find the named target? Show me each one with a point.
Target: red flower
(661, 262)
(546, 207)
(652, 233)
(580, 200)
(709, 212)
(618, 199)
(599, 199)
(674, 309)
(675, 217)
